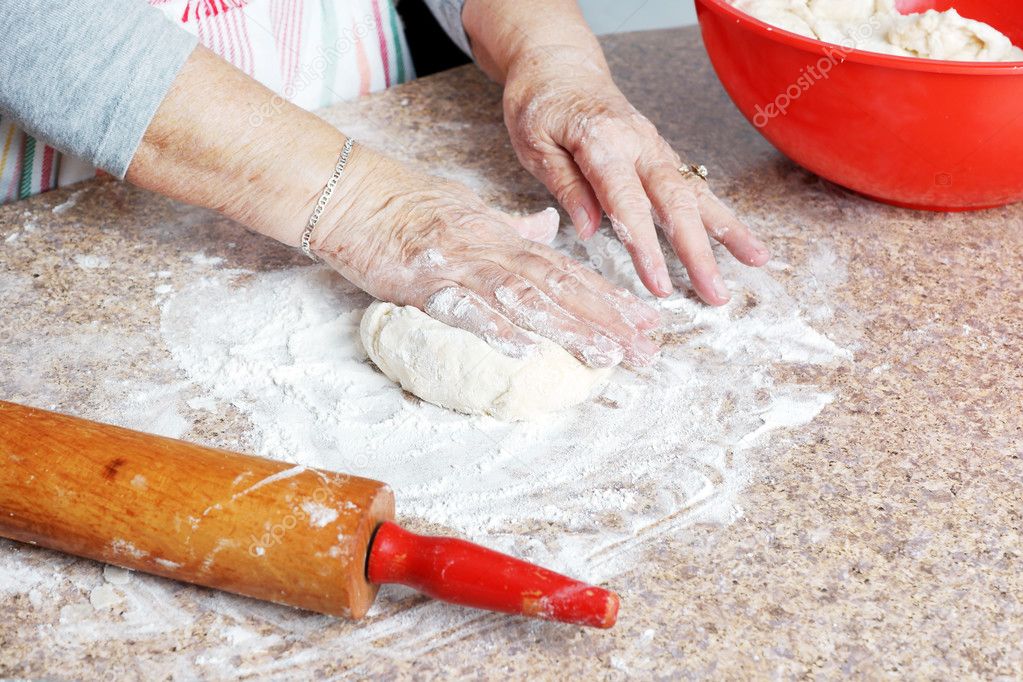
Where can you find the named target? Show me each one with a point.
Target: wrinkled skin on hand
(418, 240)
(576, 132)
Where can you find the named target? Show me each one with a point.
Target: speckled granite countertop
(882, 540)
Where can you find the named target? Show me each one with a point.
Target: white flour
(658, 450)
(283, 348)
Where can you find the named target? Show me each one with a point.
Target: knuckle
(645, 126)
(700, 189)
(680, 203)
(531, 151)
(628, 200)
(666, 151)
(529, 159)
(564, 186)
(697, 257)
(515, 296)
(595, 154)
(427, 294)
(728, 229)
(534, 141)
(606, 140)
(413, 248)
(489, 273)
(443, 295)
(564, 282)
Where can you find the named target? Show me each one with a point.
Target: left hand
(576, 132)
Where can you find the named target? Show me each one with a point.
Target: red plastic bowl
(919, 133)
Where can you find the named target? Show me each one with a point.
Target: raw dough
(876, 26)
(456, 369)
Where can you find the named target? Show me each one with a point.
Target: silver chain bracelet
(328, 191)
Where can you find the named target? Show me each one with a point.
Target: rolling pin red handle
(462, 573)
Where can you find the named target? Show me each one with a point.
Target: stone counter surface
(881, 540)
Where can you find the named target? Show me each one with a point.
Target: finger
(631, 306)
(567, 183)
(731, 232)
(567, 290)
(642, 315)
(459, 307)
(530, 308)
(634, 309)
(539, 227)
(627, 206)
(678, 212)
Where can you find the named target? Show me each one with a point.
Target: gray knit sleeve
(449, 14)
(85, 76)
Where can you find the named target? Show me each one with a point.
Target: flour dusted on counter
(877, 26)
(572, 491)
(276, 357)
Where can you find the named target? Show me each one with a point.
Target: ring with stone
(694, 170)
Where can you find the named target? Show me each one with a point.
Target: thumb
(539, 227)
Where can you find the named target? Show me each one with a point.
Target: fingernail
(721, 289)
(515, 347)
(644, 317)
(549, 223)
(581, 220)
(646, 346)
(603, 353)
(664, 283)
(759, 247)
(646, 314)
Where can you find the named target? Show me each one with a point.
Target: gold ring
(694, 170)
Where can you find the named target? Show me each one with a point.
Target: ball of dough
(791, 15)
(453, 368)
(947, 35)
(878, 26)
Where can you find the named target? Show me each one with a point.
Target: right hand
(418, 240)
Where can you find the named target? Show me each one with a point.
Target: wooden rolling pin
(314, 539)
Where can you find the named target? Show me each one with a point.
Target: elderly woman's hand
(402, 236)
(419, 240)
(576, 132)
